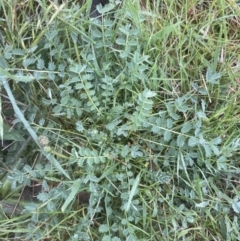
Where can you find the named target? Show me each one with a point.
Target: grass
(140, 111)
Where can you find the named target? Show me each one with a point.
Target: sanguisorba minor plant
(138, 112)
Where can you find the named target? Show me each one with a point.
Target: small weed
(125, 127)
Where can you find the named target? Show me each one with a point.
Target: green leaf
(202, 204)
(215, 150)
(165, 31)
(103, 228)
(222, 163)
(143, 109)
(116, 239)
(181, 106)
(112, 125)
(40, 64)
(192, 141)
(121, 41)
(51, 66)
(3, 63)
(132, 192)
(161, 177)
(236, 206)
(216, 141)
(106, 238)
(135, 152)
(169, 123)
(201, 115)
(167, 135)
(51, 76)
(187, 126)
(19, 52)
(11, 134)
(31, 207)
(57, 165)
(43, 196)
(181, 140)
(148, 93)
(27, 62)
(74, 190)
(79, 126)
(208, 150)
(77, 68)
(108, 7)
(212, 77)
(18, 77)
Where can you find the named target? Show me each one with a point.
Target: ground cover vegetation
(125, 128)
